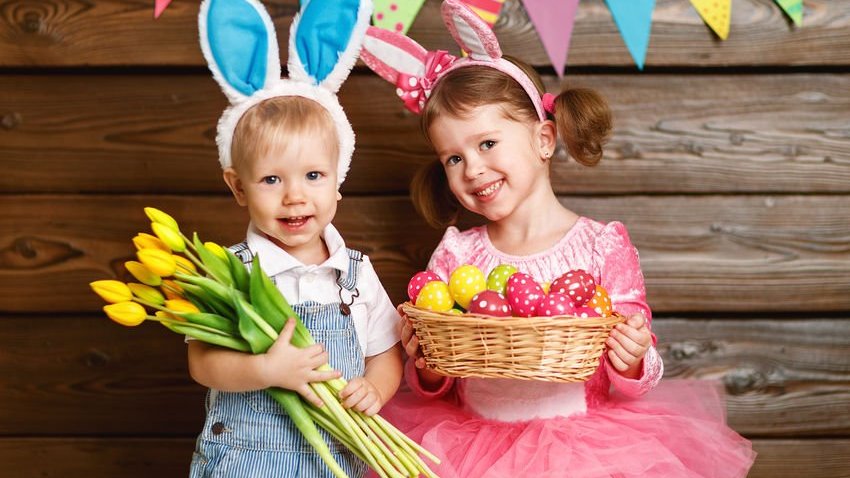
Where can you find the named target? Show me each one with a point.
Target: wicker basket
(554, 349)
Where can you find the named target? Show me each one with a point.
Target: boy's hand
(362, 396)
(628, 344)
(287, 366)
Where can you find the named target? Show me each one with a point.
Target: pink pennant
(553, 20)
(159, 7)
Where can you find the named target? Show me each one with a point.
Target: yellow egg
(435, 296)
(545, 286)
(465, 282)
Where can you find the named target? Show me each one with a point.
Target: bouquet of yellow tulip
(203, 290)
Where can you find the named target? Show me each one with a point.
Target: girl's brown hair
(582, 117)
(274, 122)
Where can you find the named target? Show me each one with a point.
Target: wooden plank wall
(730, 165)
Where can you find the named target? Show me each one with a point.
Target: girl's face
(291, 194)
(493, 163)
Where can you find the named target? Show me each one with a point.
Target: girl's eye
(453, 160)
(485, 145)
(314, 175)
(271, 180)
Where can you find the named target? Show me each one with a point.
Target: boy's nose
(293, 194)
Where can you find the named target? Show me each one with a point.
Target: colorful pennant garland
(716, 14)
(634, 19)
(159, 6)
(395, 15)
(794, 10)
(488, 10)
(553, 20)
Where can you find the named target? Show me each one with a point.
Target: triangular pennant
(634, 19)
(794, 9)
(553, 20)
(395, 15)
(159, 7)
(488, 10)
(716, 14)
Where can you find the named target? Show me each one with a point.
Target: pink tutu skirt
(677, 430)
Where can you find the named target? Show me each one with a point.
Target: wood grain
(120, 32)
(86, 376)
(154, 134)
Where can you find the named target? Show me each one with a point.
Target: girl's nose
(474, 167)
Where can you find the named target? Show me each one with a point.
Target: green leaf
(250, 326)
(217, 267)
(233, 343)
(214, 321)
(208, 286)
(272, 305)
(207, 302)
(238, 271)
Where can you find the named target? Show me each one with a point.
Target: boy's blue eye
(314, 175)
(271, 179)
(485, 145)
(453, 160)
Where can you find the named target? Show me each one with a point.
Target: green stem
(386, 457)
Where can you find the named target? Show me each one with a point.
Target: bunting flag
(553, 20)
(488, 10)
(634, 19)
(395, 15)
(159, 7)
(794, 10)
(716, 14)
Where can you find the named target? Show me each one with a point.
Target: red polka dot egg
(418, 281)
(524, 294)
(490, 302)
(577, 284)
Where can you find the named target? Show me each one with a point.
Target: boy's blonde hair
(275, 122)
(582, 117)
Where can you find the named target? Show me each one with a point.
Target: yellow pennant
(715, 13)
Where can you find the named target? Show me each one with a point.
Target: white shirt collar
(275, 260)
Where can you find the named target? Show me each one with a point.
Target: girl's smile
(489, 191)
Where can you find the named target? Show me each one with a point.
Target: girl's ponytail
(431, 196)
(584, 123)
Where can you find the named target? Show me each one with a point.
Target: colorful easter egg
(577, 284)
(600, 302)
(497, 280)
(556, 304)
(435, 296)
(454, 311)
(465, 282)
(490, 302)
(545, 286)
(584, 312)
(524, 294)
(418, 281)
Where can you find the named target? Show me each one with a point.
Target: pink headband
(415, 71)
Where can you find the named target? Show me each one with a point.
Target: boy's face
(291, 194)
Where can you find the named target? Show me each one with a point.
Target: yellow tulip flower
(172, 290)
(130, 314)
(147, 293)
(184, 265)
(170, 237)
(159, 217)
(157, 261)
(180, 306)
(112, 291)
(146, 241)
(216, 249)
(143, 274)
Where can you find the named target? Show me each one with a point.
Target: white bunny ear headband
(415, 71)
(239, 42)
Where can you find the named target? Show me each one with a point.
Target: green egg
(498, 278)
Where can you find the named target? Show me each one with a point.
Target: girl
(285, 146)
(494, 134)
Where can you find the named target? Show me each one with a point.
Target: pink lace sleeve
(620, 274)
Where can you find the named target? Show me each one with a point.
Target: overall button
(217, 428)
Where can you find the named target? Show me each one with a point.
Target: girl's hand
(411, 343)
(362, 396)
(628, 344)
(287, 366)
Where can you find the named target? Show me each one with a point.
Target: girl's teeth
(490, 190)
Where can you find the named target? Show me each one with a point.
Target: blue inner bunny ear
(239, 42)
(324, 31)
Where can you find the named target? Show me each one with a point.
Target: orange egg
(600, 302)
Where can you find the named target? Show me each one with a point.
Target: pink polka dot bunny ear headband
(415, 71)
(239, 42)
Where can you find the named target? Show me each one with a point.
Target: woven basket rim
(513, 321)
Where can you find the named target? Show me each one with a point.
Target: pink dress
(609, 426)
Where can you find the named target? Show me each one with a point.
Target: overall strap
(349, 282)
(242, 252)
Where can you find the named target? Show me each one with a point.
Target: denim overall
(247, 434)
